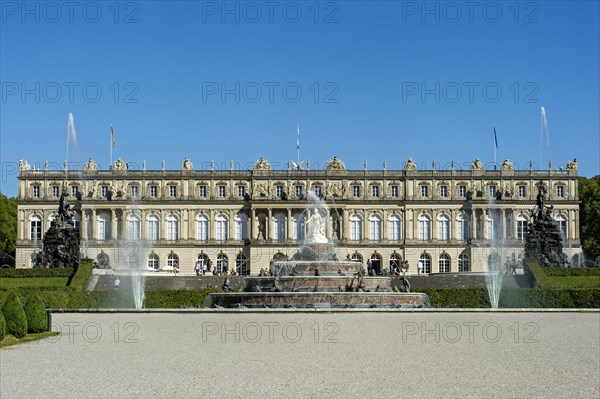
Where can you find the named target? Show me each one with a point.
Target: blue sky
(368, 81)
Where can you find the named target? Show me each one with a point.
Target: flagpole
(298, 145)
(495, 144)
(111, 147)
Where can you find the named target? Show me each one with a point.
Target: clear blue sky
(395, 80)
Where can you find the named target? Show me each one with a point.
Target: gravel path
(310, 355)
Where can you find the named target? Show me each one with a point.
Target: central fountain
(315, 278)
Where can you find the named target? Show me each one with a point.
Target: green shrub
(2, 327)
(81, 275)
(37, 318)
(571, 271)
(175, 299)
(26, 273)
(16, 320)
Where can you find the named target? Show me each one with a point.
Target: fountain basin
(308, 268)
(315, 284)
(357, 300)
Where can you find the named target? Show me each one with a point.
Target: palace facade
(452, 220)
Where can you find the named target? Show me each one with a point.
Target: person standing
(419, 267)
(197, 268)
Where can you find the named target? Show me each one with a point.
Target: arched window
(222, 227)
(521, 227)
(355, 228)
(424, 228)
(222, 263)
(394, 228)
(374, 228)
(35, 223)
(298, 221)
(202, 228)
(173, 260)
(153, 227)
(462, 227)
(172, 228)
(444, 263)
(153, 261)
(241, 226)
(561, 220)
(357, 257)
(241, 265)
(279, 227)
(463, 263)
(397, 259)
(426, 260)
(104, 227)
(133, 228)
(443, 223)
(203, 258)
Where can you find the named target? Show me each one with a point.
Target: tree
(8, 224)
(589, 215)
(16, 321)
(37, 318)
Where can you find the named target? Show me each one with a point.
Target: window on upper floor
(375, 191)
(173, 191)
(134, 191)
(356, 191)
(222, 191)
(522, 191)
(394, 191)
(279, 191)
(444, 191)
(424, 191)
(35, 192)
(104, 191)
(75, 191)
(55, 191)
(560, 191)
(318, 191)
(299, 192)
(492, 191)
(202, 191)
(462, 190)
(153, 191)
(241, 191)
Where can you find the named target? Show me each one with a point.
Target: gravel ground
(345, 355)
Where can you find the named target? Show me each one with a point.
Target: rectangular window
(522, 191)
(462, 190)
(521, 229)
(173, 191)
(154, 191)
(104, 191)
(36, 191)
(356, 191)
(424, 191)
(560, 191)
(36, 229)
(55, 192)
(134, 191)
(394, 191)
(375, 191)
(279, 191)
(318, 191)
(222, 191)
(492, 191)
(74, 191)
(241, 191)
(444, 191)
(299, 192)
(202, 191)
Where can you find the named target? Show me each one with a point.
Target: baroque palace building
(453, 220)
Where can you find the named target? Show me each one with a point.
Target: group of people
(202, 268)
(510, 266)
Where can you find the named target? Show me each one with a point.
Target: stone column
(504, 224)
(113, 225)
(473, 224)
(143, 224)
(384, 225)
(83, 225)
(93, 224)
(290, 225)
(253, 224)
(345, 227)
(268, 225)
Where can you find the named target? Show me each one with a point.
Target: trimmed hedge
(37, 318)
(571, 271)
(25, 273)
(175, 299)
(457, 297)
(81, 275)
(2, 327)
(16, 320)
